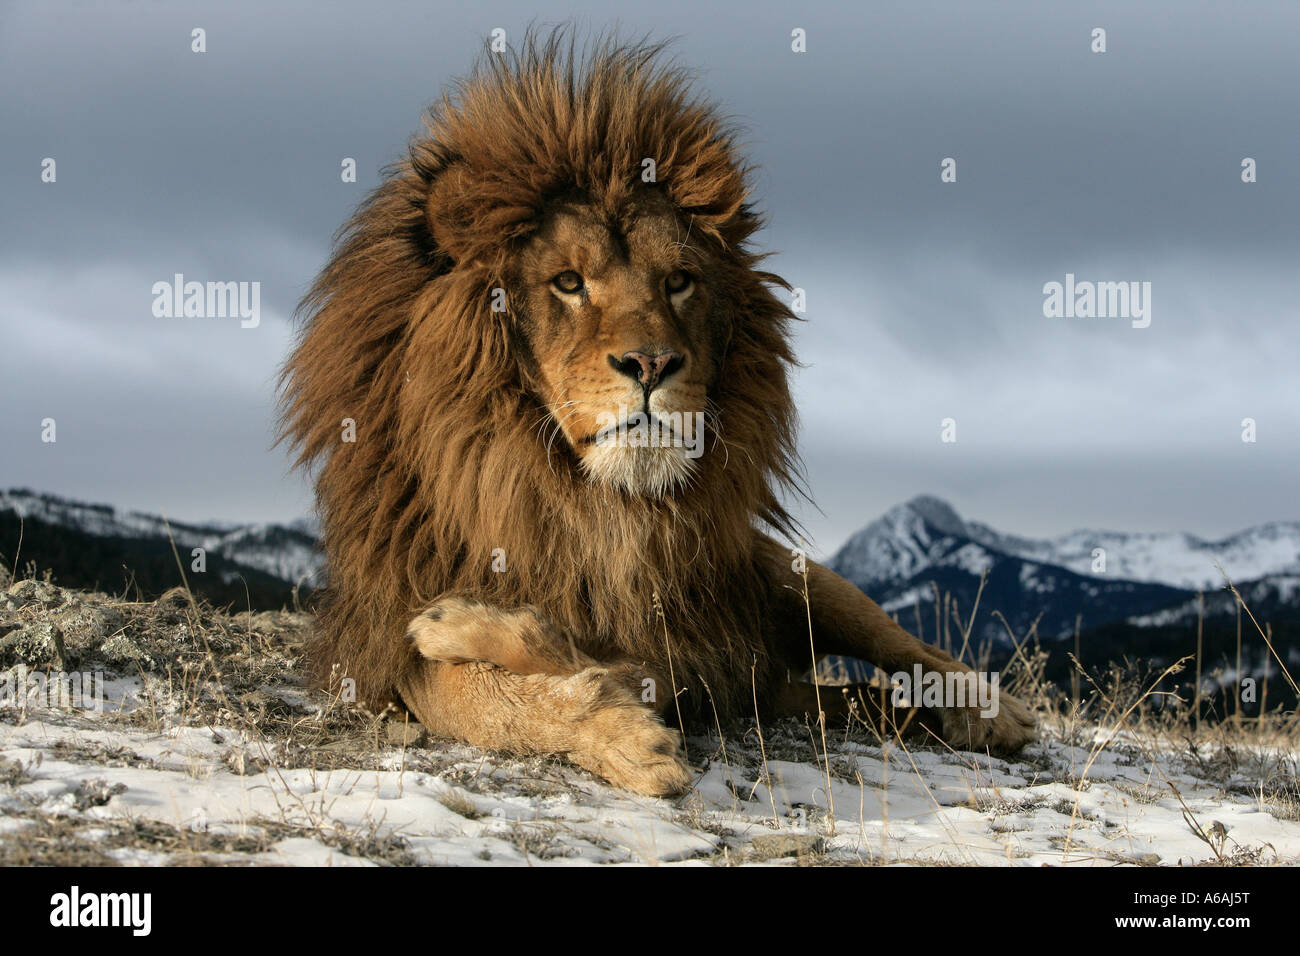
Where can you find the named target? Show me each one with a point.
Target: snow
(1279, 590)
(971, 558)
(908, 599)
(1172, 558)
(922, 806)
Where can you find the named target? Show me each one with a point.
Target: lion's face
(619, 340)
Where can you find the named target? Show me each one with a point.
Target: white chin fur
(651, 470)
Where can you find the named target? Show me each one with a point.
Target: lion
(543, 384)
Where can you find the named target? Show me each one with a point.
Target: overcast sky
(925, 298)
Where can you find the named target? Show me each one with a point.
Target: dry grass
(198, 666)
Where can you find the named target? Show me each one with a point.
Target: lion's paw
(1006, 732)
(624, 741)
(452, 630)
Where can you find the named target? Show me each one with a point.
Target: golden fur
(565, 578)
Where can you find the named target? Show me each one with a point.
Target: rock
(96, 793)
(771, 846)
(84, 628)
(402, 734)
(36, 644)
(242, 763)
(120, 649)
(32, 591)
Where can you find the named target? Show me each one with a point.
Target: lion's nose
(646, 369)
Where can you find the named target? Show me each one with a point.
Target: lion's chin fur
(651, 471)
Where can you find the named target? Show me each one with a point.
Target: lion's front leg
(847, 622)
(521, 640)
(588, 717)
(510, 680)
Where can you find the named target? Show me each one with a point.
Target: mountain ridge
(899, 559)
(287, 551)
(1176, 559)
(1094, 578)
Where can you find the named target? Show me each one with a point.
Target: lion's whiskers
(559, 424)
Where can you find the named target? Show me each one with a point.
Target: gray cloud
(925, 299)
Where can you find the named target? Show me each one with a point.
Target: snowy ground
(182, 766)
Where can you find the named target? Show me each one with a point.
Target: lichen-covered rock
(121, 649)
(34, 644)
(30, 591)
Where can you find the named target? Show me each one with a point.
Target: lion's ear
(449, 211)
(470, 216)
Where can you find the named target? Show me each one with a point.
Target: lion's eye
(568, 282)
(678, 282)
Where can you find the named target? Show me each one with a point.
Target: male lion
(500, 378)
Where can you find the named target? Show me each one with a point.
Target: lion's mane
(451, 475)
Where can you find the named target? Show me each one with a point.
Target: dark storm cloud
(925, 299)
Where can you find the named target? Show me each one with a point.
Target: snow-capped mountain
(1146, 579)
(1179, 560)
(285, 551)
(906, 540)
(919, 534)
(901, 560)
